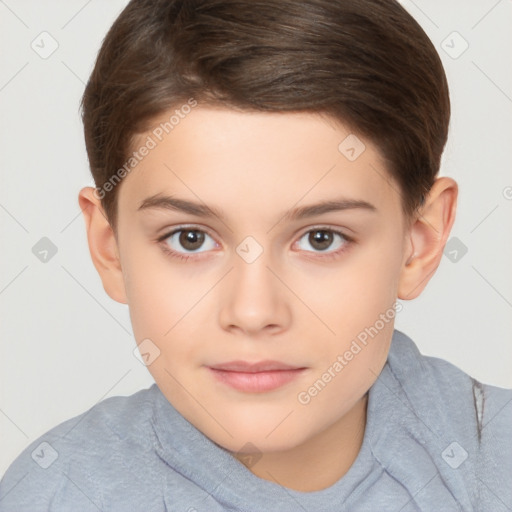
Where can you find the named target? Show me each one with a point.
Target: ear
(427, 236)
(102, 245)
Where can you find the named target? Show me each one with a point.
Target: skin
(296, 303)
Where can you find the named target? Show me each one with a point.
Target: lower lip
(259, 382)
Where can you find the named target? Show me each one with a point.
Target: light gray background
(65, 345)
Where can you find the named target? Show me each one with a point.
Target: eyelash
(348, 241)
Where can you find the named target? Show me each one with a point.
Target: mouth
(259, 377)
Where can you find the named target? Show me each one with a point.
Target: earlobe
(427, 237)
(102, 245)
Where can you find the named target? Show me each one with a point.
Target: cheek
(353, 294)
(164, 303)
(156, 297)
(357, 304)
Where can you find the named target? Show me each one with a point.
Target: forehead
(256, 160)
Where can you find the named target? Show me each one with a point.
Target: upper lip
(260, 366)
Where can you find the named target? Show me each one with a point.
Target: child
(224, 137)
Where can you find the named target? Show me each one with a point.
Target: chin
(255, 440)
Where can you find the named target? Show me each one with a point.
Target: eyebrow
(162, 202)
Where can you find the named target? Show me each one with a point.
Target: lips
(258, 377)
(260, 366)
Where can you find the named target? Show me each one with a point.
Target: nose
(253, 300)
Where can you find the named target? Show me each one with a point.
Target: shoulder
(448, 393)
(62, 468)
(462, 426)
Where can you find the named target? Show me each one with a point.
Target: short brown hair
(366, 63)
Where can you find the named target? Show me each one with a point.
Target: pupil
(320, 239)
(191, 239)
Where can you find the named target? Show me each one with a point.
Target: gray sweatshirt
(436, 440)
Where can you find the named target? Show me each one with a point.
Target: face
(258, 307)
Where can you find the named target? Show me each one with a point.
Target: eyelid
(183, 227)
(346, 232)
(320, 227)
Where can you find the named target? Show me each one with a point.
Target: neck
(320, 461)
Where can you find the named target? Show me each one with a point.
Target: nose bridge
(252, 276)
(254, 296)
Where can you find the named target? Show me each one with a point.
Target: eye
(322, 239)
(183, 241)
